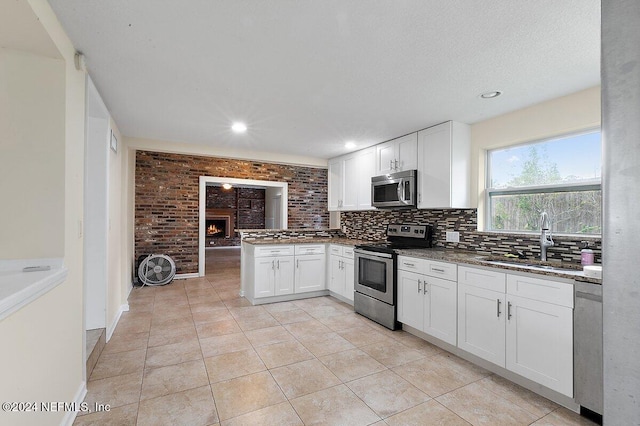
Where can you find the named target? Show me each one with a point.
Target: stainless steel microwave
(394, 190)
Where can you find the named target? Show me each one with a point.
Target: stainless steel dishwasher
(587, 346)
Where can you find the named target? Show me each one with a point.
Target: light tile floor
(195, 353)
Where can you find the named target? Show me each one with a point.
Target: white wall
(118, 289)
(32, 160)
(42, 358)
(571, 113)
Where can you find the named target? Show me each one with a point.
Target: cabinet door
(407, 152)
(385, 158)
(310, 273)
(336, 275)
(335, 179)
(410, 299)
(540, 342)
(349, 187)
(284, 275)
(264, 273)
(366, 170)
(434, 167)
(441, 308)
(349, 277)
(481, 323)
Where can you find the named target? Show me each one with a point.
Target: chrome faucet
(545, 236)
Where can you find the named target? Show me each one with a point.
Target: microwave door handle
(401, 191)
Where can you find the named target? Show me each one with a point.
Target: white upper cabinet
(444, 166)
(335, 180)
(397, 155)
(350, 181)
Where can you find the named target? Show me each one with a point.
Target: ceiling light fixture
(350, 145)
(239, 127)
(491, 95)
(226, 186)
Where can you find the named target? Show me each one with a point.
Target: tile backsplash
(371, 225)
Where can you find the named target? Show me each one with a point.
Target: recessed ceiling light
(239, 127)
(226, 185)
(490, 95)
(350, 145)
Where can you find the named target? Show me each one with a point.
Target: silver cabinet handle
(273, 265)
(409, 264)
(278, 264)
(509, 310)
(298, 263)
(438, 270)
(419, 286)
(396, 163)
(424, 287)
(498, 308)
(391, 164)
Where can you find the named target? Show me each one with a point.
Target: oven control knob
(416, 231)
(422, 231)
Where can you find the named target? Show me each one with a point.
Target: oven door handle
(372, 255)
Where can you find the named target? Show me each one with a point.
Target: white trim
(202, 207)
(114, 323)
(186, 276)
(70, 417)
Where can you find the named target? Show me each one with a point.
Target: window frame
(586, 185)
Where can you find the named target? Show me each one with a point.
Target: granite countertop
(560, 270)
(309, 240)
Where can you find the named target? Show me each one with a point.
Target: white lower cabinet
(481, 322)
(531, 336)
(425, 302)
(276, 276)
(310, 268)
(341, 271)
(279, 270)
(310, 273)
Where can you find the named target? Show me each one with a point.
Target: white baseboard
(70, 417)
(114, 323)
(185, 276)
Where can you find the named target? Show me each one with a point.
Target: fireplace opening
(218, 227)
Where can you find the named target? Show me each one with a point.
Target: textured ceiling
(306, 76)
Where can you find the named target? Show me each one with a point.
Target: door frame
(202, 206)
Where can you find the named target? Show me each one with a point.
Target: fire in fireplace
(217, 228)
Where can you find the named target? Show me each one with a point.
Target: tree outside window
(560, 176)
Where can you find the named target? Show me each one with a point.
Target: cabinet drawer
(483, 278)
(335, 249)
(543, 290)
(347, 252)
(447, 271)
(280, 250)
(302, 249)
(411, 264)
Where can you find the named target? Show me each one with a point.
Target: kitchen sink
(529, 265)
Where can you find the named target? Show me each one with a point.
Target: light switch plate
(453, 236)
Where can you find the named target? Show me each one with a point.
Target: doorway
(275, 208)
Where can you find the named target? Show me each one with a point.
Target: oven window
(386, 192)
(373, 274)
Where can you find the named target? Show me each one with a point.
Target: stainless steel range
(375, 294)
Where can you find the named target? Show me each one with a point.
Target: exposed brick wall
(166, 199)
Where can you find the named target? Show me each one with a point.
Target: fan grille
(156, 269)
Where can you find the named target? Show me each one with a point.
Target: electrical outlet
(453, 236)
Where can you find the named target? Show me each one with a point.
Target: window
(561, 176)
